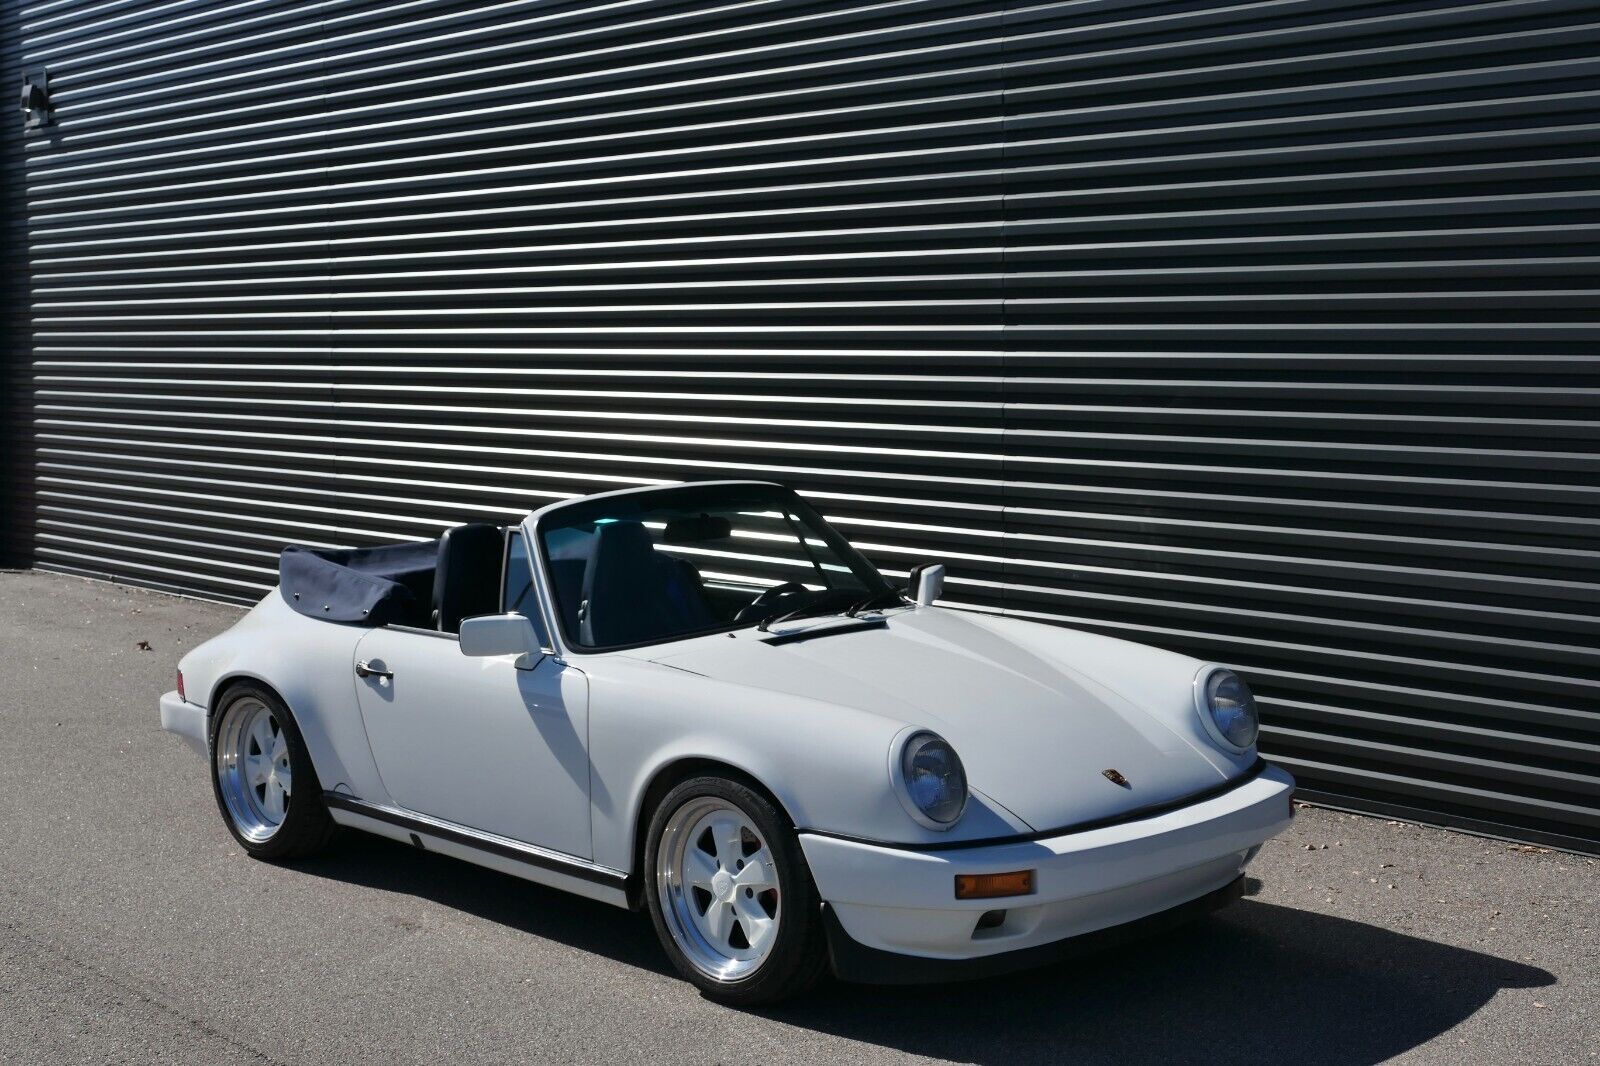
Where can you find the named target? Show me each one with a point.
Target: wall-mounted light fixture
(36, 100)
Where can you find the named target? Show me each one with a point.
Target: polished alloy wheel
(718, 885)
(253, 770)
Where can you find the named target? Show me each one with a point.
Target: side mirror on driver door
(501, 634)
(926, 584)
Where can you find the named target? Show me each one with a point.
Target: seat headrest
(466, 579)
(620, 538)
(617, 585)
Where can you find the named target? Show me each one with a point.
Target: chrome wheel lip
(739, 896)
(253, 769)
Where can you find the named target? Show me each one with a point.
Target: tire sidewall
(304, 802)
(792, 964)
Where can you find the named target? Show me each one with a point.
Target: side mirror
(927, 583)
(501, 634)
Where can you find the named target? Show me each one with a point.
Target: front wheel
(730, 895)
(263, 779)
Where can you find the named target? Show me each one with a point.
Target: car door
(477, 741)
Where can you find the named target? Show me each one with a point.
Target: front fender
(828, 766)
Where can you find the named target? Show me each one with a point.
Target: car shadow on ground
(389, 866)
(1256, 982)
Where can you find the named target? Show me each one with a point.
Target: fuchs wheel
(730, 894)
(264, 783)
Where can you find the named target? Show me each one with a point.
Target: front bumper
(855, 962)
(899, 901)
(186, 719)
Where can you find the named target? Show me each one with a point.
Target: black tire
(306, 828)
(799, 954)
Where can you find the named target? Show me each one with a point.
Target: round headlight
(1230, 710)
(930, 780)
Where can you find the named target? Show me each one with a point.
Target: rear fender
(311, 666)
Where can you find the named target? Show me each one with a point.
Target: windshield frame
(682, 494)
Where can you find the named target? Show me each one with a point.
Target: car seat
(466, 580)
(633, 593)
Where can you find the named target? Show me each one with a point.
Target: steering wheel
(760, 605)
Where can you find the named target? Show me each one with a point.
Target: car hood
(1036, 733)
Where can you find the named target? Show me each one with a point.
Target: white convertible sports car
(701, 700)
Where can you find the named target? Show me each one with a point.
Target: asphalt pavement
(133, 929)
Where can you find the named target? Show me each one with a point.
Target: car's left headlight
(927, 775)
(1228, 708)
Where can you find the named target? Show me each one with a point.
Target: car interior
(423, 585)
(616, 581)
(613, 587)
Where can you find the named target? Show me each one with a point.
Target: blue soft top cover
(391, 583)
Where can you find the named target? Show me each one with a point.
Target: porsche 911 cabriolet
(701, 701)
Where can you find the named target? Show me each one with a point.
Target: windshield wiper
(873, 601)
(831, 596)
(827, 600)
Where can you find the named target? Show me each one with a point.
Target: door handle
(365, 669)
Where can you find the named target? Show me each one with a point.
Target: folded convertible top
(390, 583)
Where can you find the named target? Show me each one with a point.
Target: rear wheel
(265, 786)
(731, 897)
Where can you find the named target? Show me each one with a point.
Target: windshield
(677, 562)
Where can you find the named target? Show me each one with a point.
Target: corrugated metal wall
(1264, 331)
(16, 414)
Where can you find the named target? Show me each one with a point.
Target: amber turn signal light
(992, 886)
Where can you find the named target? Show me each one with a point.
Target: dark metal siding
(1262, 331)
(16, 406)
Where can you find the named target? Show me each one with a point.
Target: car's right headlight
(1228, 708)
(927, 775)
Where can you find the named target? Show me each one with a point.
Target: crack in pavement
(42, 948)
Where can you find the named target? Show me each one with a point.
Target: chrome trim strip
(421, 632)
(504, 847)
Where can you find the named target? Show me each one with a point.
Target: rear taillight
(181, 696)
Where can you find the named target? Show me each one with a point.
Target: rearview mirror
(501, 634)
(697, 530)
(926, 584)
